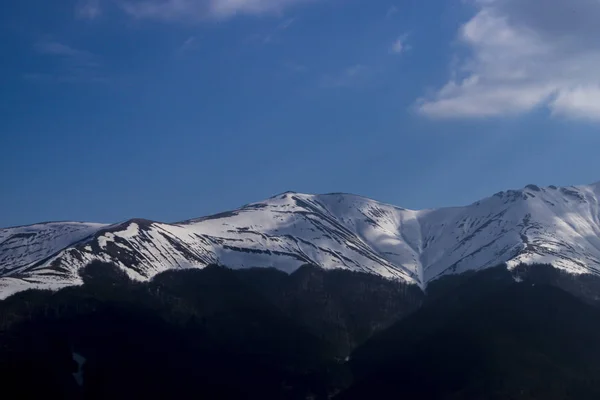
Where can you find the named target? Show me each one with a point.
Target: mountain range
(551, 225)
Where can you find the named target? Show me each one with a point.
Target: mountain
(558, 226)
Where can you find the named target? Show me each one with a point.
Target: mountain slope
(559, 226)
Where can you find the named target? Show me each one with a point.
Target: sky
(174, 109)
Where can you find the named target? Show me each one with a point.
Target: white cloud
(580, 102)
(88, 9)
(523, 55)
(197, 10)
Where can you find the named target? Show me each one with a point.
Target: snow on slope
(552, 225)
(25, 245)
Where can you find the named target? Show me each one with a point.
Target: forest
(217, 333)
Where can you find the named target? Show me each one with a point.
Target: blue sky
(173, 109)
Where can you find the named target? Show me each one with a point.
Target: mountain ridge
(555, 225)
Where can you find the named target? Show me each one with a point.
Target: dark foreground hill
(485, 336)
(216, 333)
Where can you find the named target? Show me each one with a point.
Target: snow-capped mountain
(553, 225)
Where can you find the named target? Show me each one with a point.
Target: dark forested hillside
(343, 308)
(211, 333)
(484, 335)
(216, 333)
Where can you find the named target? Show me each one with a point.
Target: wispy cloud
(399, 46)
(75, 56)
(88, 9)
(188, 44)
(56, 78)
(198, 10)
(391, 11)
(353, 75)
(525, 54)
(286, 24)
(68, 64)
(273, 35)
(295, 67)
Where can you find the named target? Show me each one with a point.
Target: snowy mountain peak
(533, 224)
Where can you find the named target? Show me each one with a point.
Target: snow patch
(80, 360)
(131, 232)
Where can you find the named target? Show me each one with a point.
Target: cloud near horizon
(525, 55)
